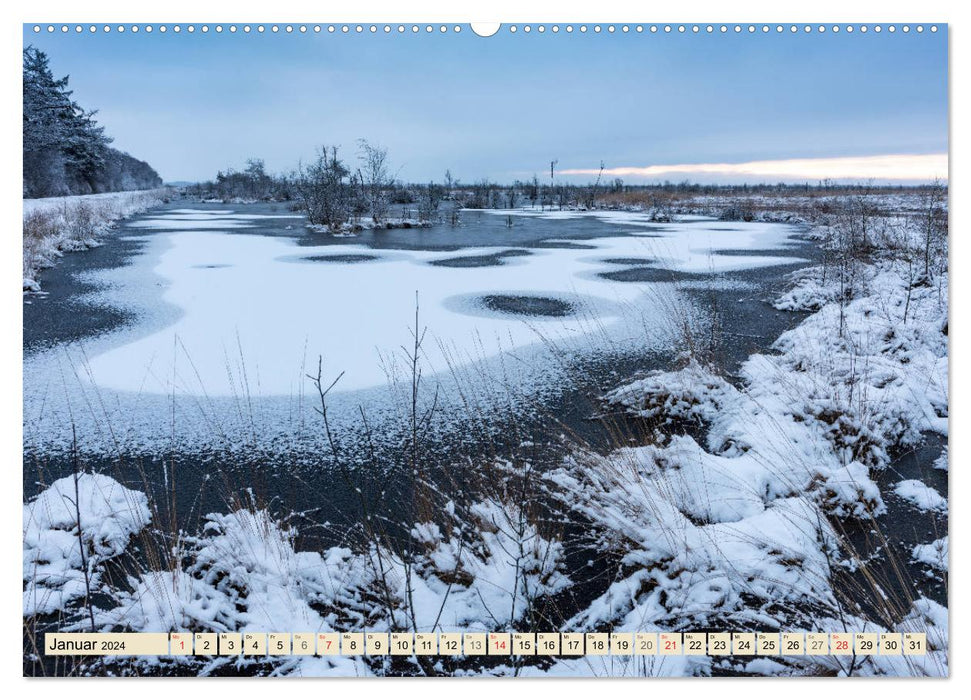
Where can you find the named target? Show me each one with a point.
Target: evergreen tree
(65, 149)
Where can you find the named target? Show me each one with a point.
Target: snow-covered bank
(735, 528)
(480, 566)
(764, 206)
(55, 225)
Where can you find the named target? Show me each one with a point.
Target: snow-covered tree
(65, 149)
(375, 179)
(323, 186)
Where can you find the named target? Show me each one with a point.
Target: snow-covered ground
(56, 204)
(735, 528)
(55, 225)
(248, 315)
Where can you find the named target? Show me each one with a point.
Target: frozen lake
(227, 308)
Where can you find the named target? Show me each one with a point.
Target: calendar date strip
(563, 644)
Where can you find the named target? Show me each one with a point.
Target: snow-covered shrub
(692, 393)
(810, 291)
(241, 572)
(54, 563)
(706, 548)
(848, 492)
(56, 225)
(244, 571)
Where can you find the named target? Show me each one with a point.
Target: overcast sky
(503, 107)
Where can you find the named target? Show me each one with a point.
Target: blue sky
(503, 107)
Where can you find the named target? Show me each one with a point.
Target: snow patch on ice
(920, 495)
(934, 554)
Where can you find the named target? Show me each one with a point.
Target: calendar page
(540, 349)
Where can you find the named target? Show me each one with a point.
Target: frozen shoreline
(56, 225)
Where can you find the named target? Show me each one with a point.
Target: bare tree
(374, 178)
(552, 170)
(323, 188)
(429, 199)
(259, 184)
(933, 224)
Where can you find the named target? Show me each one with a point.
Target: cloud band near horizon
(931, 166)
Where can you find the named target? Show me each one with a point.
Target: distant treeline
(65, 150)
(335, 191)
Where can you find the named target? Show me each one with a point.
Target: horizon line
(898, 166)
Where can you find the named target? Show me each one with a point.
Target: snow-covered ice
(224, 315)
(264, 298)
(920, 495)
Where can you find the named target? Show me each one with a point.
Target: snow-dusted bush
(934, 554)
(57, 225)
(55, 556)
(245, 572)
(691, 393)
(786, 453)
